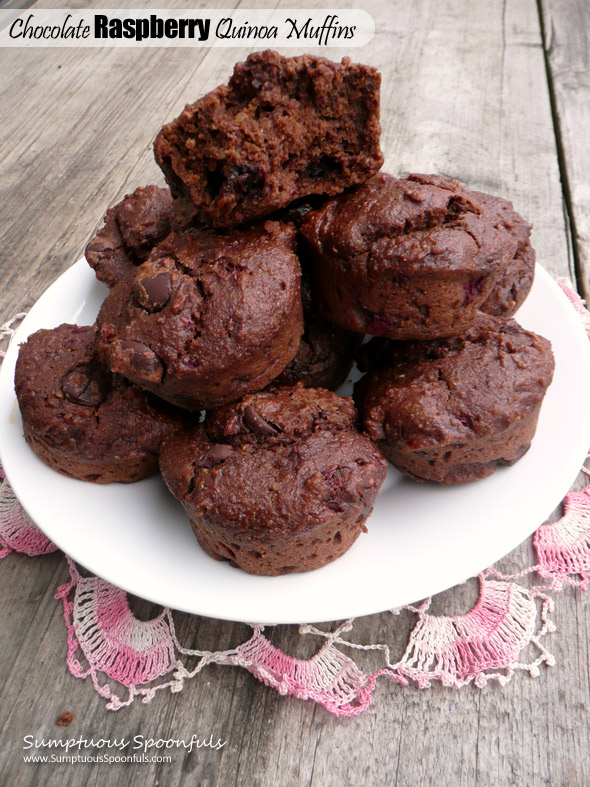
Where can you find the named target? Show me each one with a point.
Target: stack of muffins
(245, 288)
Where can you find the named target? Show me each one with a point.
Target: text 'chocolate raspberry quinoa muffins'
(453, 409)
(279, 482)
(79, 418)
(131, 229)
(208, 317)
(281, 129)
(405, 259)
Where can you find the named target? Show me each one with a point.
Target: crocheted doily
(126, 657)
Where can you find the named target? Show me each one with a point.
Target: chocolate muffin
(283, 128)
(131, 229)
(209, 317)
(277, 483)
(515, 283)
(326, 352)
(451, 410)
(79, 418)
(407, 259)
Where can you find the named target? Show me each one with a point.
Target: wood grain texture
(465, 94)
(567, 45)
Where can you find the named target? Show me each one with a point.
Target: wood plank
(408, 736)
(78, 131)
(455, 106)
(567, 47)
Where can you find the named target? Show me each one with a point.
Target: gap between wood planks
(569, 213)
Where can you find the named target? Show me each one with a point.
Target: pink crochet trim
(103, 631)
(120, 651)
(18, 533)
(482, 645)
(329, 677)
(477, 646)
(112, 640)
(563, 547)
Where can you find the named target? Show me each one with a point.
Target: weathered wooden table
(494, 93)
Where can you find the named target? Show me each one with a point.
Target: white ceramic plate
(422, 538)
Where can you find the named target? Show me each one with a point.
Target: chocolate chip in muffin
(153, 292)
(84, 385)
